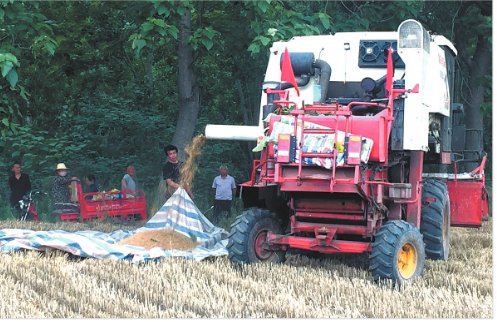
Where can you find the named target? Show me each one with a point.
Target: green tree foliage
(94, 84)
(26, 36)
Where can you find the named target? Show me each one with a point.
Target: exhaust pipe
(324, 79)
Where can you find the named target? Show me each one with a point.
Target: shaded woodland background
(99, 84)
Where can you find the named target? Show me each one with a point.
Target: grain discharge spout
(233, 132)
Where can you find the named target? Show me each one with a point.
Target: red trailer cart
(126, 204)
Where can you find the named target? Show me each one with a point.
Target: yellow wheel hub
(407, 261)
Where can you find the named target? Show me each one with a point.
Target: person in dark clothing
(61, 195)
(171, 170)
(19, 184)
(91, 185)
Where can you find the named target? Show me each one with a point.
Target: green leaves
(325, 20)
(153, 33)
(6, 67)
(163, 10)
(280, 21)
(44, 44)
(12, 78)
(7, 64)
(263, 5)
(137, 43)
(258, 43)
(204, 36)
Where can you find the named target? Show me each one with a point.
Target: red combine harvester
(129, 205)
(365, 161)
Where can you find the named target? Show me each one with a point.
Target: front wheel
(398, 253)
(248, 237)
(435, 219)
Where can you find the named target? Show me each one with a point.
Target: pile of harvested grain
(163, 238)
(187, 172)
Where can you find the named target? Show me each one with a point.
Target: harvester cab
(355, 144)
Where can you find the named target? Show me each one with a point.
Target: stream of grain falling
(187, 173)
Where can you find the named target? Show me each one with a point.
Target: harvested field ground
(51, 285)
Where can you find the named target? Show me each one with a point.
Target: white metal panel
(437, 96)
(416, 119)
(233, 132)
(341, 52)
(332, 49)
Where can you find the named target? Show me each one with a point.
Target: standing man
(171, 170)
(128, 182)
(19, 184)
(224, 189)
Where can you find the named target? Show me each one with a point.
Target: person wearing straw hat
(61, 195)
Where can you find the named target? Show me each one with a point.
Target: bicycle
(27, 206)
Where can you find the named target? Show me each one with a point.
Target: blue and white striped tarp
(178, 213)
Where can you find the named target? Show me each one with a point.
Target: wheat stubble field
(52, 285)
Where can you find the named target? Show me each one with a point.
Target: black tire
(248, 232)
(398, 253)
(435, 219)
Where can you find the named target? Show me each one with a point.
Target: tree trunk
(149, 79)
(189, 95)
(247, 120)
(475, 65)
(474, 122)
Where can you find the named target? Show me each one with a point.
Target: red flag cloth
(287, 71)
(389, 80)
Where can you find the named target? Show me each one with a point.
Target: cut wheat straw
(52, 286)
(193, 150)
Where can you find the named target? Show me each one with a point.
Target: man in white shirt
(224, 189)
(128, 182)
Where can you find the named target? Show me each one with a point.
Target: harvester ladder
(333, 129)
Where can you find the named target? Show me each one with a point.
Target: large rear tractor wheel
(247, 240)
(435, 219)
(398, 253)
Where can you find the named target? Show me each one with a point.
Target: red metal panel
(484, 206)
(330, 205)
(340, 229)
(353, 152)
(309, 214)
(373, 127)
(467, 202)
(69, 217)
(317, 186)
(113, 203)
(382, 140)
(445, 158)
(413, 208)
(313, 244)
(284, 148)
(110, 204)
(317, 179)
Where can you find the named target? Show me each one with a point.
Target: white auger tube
(233, 132)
